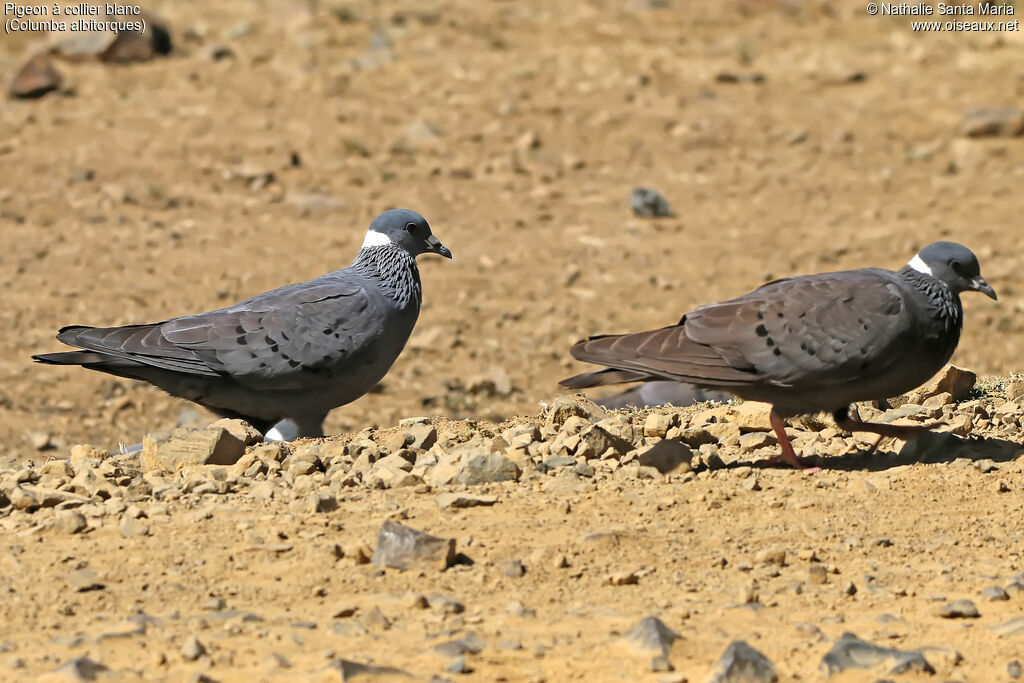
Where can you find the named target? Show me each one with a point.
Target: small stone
(487, 468)
(623, 578)
(817, 573)
(657, 424)
(741, 663)
(83, 580)
(648, 203)
(775, 556)
(667, 456)
(992, 122)
(132, 528)
(850, 652)
(1014, 669)
(376, 620)
(661, 664)
(650, 635)
(470, 644)
(214, 604)
(459, 665)
(358, 552)
(354, 671)
(415, 601)
(994, 593)
(985, 466)
(850, 588)
(959, 609)
(192, 649)
(402, 547)
(512, 568)
(464, 500)
(69, 522)
(35, 78)
(322, 502)
(79, 669)
(182, 447)
(445, 605)
(240, 429)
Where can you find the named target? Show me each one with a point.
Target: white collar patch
(375, 239)
(918, 264)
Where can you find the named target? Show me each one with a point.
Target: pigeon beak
(978, 284)
(434, 246)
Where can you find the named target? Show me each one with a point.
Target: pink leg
(788, 454)
(905, 432)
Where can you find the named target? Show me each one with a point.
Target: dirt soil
(788, 137)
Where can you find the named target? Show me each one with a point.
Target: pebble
(850, 652)
(35, 78)
(740, 663)
(994, 593)
(192, 649)
(959, 609)
(512, 568)
(79, 669)
(648, 203)
(131, 527)
(402, 547)
(69, 522)
(650, 635)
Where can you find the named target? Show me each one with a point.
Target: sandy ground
(788, 137)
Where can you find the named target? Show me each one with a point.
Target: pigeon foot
(904, 432)
(787, 455)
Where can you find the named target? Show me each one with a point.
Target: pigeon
(660, 393)
(810, 343)
(286, 356)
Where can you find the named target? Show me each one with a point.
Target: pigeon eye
(955, 265)
(410, 227)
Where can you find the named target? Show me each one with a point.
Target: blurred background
(787, 137)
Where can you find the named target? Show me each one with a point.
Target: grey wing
(294, 337)
(809, 331)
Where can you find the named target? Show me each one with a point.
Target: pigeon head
(406, 229)
(954, 265)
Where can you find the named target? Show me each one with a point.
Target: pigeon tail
(600, 378)
(667, 353)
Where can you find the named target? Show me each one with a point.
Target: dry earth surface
(788, 137)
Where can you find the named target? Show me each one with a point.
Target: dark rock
(1013, 669)
(850, 652)
(741, 663)
(650, 635)
(402, 547)
(648, 203)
